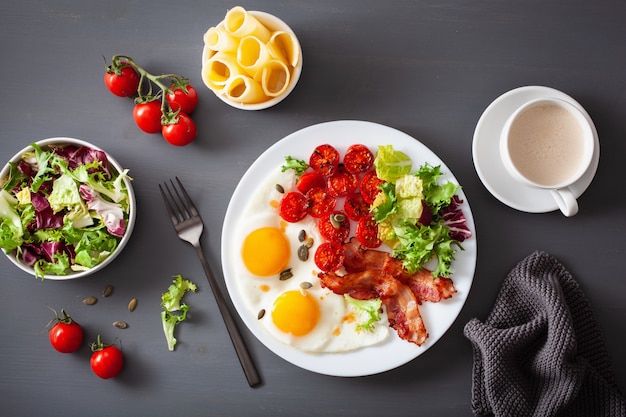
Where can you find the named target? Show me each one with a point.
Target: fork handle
(245, 359)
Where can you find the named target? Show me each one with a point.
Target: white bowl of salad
(67, 208)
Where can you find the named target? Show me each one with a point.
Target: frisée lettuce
(62, 208)
(418, 217)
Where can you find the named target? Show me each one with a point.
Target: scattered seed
(132, 305)
(89, 301)
(303, 253)
(305, 285)
(308, 242)
(108, 290)
(302, 235)
(280, 189)
(286, 274)
(120, 324)
(261, 314)
(336, 220)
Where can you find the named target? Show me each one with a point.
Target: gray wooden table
(428, 68)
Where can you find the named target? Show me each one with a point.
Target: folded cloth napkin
(540, 352)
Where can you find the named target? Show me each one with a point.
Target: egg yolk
(265, 251)
(295, 313)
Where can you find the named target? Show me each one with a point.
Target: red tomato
(148, 116)
(329, 256)
(309, 180)
(355, 207)
(320, 202)
(66, 335)
(369, 186)
(180, 133)
(334, 227)
(122, 82)
(293, 207)
(178, 98)
(367, 232)
(358, 159)
(342, 183)
(106, 361)
(324, 159)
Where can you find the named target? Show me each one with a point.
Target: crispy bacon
(400, 302)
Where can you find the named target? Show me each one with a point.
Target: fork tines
(184, 208)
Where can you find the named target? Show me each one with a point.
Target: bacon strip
(400, 302)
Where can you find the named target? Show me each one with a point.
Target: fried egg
(278, 281)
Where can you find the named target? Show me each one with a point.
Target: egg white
(333, 333)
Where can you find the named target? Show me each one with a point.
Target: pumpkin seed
(309, 242)
(336, 219)
(108, 290)
(285, 275)
(303, 253)
(280, 189)
(89, 301)
(120, 324)
(302, 235)
(305, 285)
(132, 305)
(261, 314)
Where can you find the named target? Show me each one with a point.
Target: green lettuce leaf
(174, 310)
(391, 164)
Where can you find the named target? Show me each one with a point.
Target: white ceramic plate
(489, 166)
(393, 352)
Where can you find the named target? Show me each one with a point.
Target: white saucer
(486, 155)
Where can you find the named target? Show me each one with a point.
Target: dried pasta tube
(239, 23)
(217, 39)
(220, 68)
(243, 89)
(252, 54)
(284, 46)
(275, 78)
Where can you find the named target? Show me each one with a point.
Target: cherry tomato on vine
(122, 81)
(106, 361)
(180, 133)
(178, 98)
(148, 116)
(66, 335)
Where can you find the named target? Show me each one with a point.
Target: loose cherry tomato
(106, 361)
(148, 116)
(342, 183)
(369, 186)
(182, 97)
(329, 256)
(180, 133)
(358, 159)
(309, 180)
(356, 207)
(122, 81)
(293, 207)
(334, 227)
(367, 232)
(320, 202)
(66, 335)
(324, 159)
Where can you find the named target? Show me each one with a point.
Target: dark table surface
(428, 68)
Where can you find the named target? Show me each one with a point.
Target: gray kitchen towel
(541, 352)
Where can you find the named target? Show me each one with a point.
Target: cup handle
(566, 201)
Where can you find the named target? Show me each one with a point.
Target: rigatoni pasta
(246, 61)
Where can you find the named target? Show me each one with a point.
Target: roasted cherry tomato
(342, 183)
(367, 232)
(355, 207)
(324, 159)
(293, 207)
(183, 97)
(334, 227)
(369, 186)
(358, 159)
(180, 133)
(329, 256)
(148, 116)
(66, 335)
(106, 361)
(309, 180)
(122, 81)
(320, 202)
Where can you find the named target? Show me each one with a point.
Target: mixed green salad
(62, 209)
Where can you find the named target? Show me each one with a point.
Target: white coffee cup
(548, 143)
